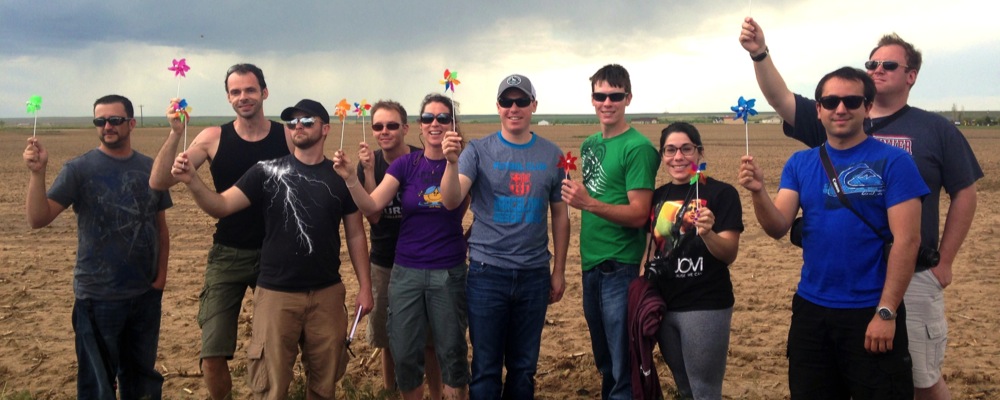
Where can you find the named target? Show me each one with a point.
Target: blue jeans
(605, 306)
(506, 315)
(130, 332)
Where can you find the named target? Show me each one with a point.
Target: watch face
(885, 313)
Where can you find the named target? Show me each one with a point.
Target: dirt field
(36, 337)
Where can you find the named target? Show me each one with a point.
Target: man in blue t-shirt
(515, 180)
(942, 155)
(848, 334)
(121, 260)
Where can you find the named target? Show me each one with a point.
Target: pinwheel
(450, 80)
(744, 109)
(567, 163)
(180, 67)
(180, 109)
(341, 112)
(697, 176)
(33, 105)
(361, 109)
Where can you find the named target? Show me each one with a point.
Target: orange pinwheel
(341, 109)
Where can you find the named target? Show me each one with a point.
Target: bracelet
(351, 186)
(760, 57)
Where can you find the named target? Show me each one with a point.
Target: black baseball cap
(310, 107)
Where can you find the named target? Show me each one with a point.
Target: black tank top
(244, 229)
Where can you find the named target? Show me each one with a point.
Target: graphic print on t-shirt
(594, 176)
(858, 178)
(431, 196)
(288, 182)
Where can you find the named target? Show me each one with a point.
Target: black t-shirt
(303, 206)
(698, 280)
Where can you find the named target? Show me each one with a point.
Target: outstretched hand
(365, 157)
(181, 170)
(752, 37)
(342, 166)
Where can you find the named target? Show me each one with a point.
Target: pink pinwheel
(450, 80)
(180, 67)
(567, 163)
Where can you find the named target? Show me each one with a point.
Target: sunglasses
(114, 121)
(832, 102)
(886, 65)
(390, 126)
(687, 150)
(521, 102)
(442, 118)
(307, 122)
(615, 97)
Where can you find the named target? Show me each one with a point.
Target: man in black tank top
(233, 261)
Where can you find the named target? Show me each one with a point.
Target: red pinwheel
(567, 163)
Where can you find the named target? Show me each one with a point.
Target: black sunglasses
(872, 65)
(307, 122)
(832, 102)
(442, 118)
(390, 126)
(521, 102)
(114, 121)
(615, 97)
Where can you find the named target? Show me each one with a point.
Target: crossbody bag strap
(831, 175)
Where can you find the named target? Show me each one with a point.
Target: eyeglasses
(615, 97)
(442, 118)
(390, 126)
(307, 122)
(872, 65)
(832, 102)
(686, 149)
(521, 102)
(114, 121)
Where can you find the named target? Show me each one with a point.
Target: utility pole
(140, 116)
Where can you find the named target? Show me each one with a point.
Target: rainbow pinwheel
(362, 108)
(698, 173)
(450, 80)
(183, 109)
(567, 163)
(180, 67)
(744, 109)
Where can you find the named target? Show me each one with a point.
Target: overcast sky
(683, 56)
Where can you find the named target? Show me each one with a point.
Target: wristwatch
(886, 313)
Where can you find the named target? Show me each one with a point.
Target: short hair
(116, 98)
(615, 75)
(913, 57)
(850, 74)
(243, 69)
(391, 105)
(680, 127)
(440, 98)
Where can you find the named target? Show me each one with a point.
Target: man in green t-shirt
(619, 174)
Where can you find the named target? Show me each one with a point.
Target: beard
(117, 144)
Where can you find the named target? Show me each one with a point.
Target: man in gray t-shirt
(515, 181)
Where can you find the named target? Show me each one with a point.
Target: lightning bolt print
(288, 182)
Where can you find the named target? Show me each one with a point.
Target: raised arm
(215, 204)
(772, 85)
(39, 208)
(368, 203)
(454, 186)
(776, 216)
(203, 145)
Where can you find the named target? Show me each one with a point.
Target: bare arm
(201, 149)
(368, 203)
(40, 210)
(956, 226)
(163, 234)
(904, 223)
(560, 244)
(215, 204)
(631, 215)
(366, 162)
(454, 186)
(357, 249)
(776, 216)
(771, 84)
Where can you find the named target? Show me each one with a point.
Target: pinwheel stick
(363, 137)
(746, 134)
(34, 126)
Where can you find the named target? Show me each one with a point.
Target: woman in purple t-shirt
(427, 285)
